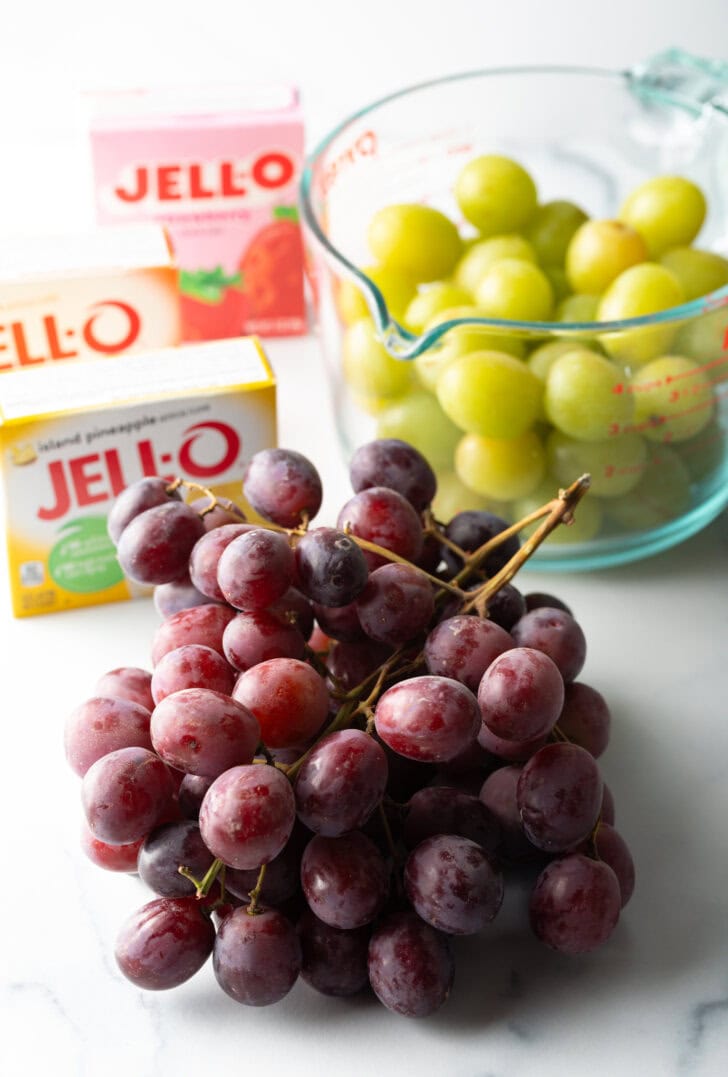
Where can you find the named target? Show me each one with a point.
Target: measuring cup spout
(680, 78)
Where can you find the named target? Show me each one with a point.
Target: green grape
(599, 251)
(640, 290)
(459, 341)
(556, 276)
(587, 520)
(615, 465)
(504, 469)
(705, 339)
(454, 496)
(431, 301)
(698, 272)
(368, 367)
(577, 308)
(673, 399)
(584, 396)
(496, 194)
(668, 211)
(419, 419)
(396, 288)
(516, 291)
(480, 256)
(551, 229)
(416, 240)
(489, 393)
(661, 495)
(704, 455)
(543, 358)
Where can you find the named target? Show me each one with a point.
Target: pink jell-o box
(88, 295)
(219, 168)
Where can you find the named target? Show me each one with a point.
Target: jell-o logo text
(112, 326)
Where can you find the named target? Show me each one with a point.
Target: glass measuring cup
(590, 136)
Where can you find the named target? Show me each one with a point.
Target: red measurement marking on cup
(364, 145)
(648, 386)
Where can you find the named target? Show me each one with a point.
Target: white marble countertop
(654, 1001)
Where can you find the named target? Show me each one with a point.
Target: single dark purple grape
(431, 557)
(257, 958)
(125, 794)
(294, 609)
(206, 554)
(165, 850)
(469, 530)
(410, 965)
(463, 647)
(121, 858)
(340, 622)
(224, 512)
(385, 518)
(398, 466)
(254, 636)
(101, 725)
(498, 794)
(340, 783)
(585, 719)
(536, 599)
(201, 624)
(135, 499)
(396, 605)
(155, 546)
(164, 943)
(247, 815)
(350, 663)
(200, 731)
(557, 634)
(521, 695)
(191, 793)
(506, 606)
(611, 847)
(334, 962)
(559, 795)
(281, 881)
(330, 567)
(170, 598)
(283, 486)
(452, 884)
(191, 666)
(344, 880)
(575, 904)
(127, 682)
(429, 719)
(255, 569)
(440, 809)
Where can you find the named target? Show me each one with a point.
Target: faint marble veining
(703, 1016)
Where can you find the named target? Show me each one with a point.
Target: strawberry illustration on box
(220, 171)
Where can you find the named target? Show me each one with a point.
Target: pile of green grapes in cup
(503, 416)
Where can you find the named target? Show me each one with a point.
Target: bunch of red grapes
(349, 736)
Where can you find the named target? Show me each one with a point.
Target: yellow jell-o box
(92, 295)
(72, 436)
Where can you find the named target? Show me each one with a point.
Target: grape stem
(254, 894)
(204, 885)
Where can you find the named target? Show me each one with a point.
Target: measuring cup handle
(680, 76)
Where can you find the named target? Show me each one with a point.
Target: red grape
(341, 782)
(384, 517)
(181, 594)
(340, 622)
(135, 499)
(557, 634)
(201, 624)
(155, 546)
(125, 794)
(101, 725)
(585, 718)
(398, 466)
(247, 815)
(127, 682)
(344, 879)
(334, 962)
(512, 751)
(255, 569)
(254, 636)
(521, 695)
(452, 884)
(330, 567)
(410, 965)
(289, 699)
(575, 904)
(203, 732)
(206, 554)
(463, 647)
(190, 794)
(611, 847)
(430, 719)
(294, 609)
(169, 847)
(164, 943)
(396, 604)
(469, 530)
(283, 486)
(498, 794)
(191, 666)
(440, 809)
(110, 857)
(256, 958)
(559, 795)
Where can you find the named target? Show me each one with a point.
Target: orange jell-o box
(91, 295)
